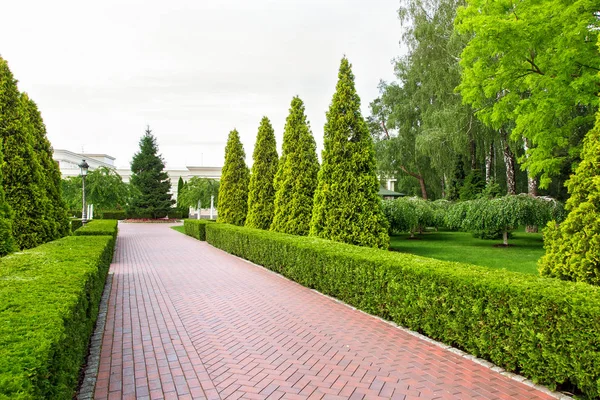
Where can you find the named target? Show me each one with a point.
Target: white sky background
(191, 69)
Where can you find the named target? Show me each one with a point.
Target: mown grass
(179, 228)
(521, 256)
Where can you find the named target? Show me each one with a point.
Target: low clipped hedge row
(98, 227)
(196, 228)
(49, 298)
(547, 330)
(111, 214)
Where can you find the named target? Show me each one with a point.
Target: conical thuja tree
(180, 185)
(296, 178)
(153, 199)
(261, 193)
(347, 207)
(21, 171)
(573, 247)
(7, 241)
(233, 190)
(57, 208)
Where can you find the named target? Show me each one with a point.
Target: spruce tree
(233, 190)
(7, 241)
(21, 171)
(347, 207)
(261, 193)
(151, 180)
(57, 208)
(296, 177)
(572, 248)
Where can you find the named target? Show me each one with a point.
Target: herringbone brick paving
(188, 321)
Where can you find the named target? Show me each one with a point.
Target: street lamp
(84, 170)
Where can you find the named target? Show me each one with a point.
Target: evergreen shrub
(49, 299)
(196, 228)
(544, 329)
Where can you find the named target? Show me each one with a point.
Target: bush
(409, 214)
(98, 227)
(111, 214)
(139, 214)
(76, 223)
(545, 329)
(49, 299)
(196, 228)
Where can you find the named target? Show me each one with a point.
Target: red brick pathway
(188, 321)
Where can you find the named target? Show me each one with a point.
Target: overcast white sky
(191, 69)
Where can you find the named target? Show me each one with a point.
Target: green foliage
(49, 299)
(261, 192)
(458, 178)
(58, 222)
(233, 190)
(99, 227)
(408, 214)
(296, 177)
(111, 214)
(572, 248)
(533, 65)
(150, 179)
(199, 190)
(196, 228)
(7, 241)
(473, 185)
(76, 223)
(502, 214)
(180, 186)
(347, 207)
(543, 328)
(21, 171)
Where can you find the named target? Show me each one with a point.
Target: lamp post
(84, 170)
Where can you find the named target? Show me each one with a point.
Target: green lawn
(521, 256)
(179, 228)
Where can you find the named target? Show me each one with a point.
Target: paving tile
(186, 320)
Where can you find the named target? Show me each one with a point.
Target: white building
(69, 161)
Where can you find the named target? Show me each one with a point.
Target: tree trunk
(473, 154)
(505, 238)
(509, 161)
(489, 164)
(444, 187)
(421, 181)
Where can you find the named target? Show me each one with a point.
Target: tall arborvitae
(151, 180)
(7, 241)
(296, 177)
(180, 185)
(21, 170)
(261, 195)
(233, 190)
(347, 207)
(573, 247)
(57, 208)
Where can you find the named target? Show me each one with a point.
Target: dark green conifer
(347, 207)
(7, 241)
(21, 171)
(573, 247)
(57, 208)
(233, 189)
(151, 180)
(296, 177)
(261, 194)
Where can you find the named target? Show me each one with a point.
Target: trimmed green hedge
(111, 214)
(196, 228)
(545, 329)
(49, 298)
(76, 224)
(98, 227)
